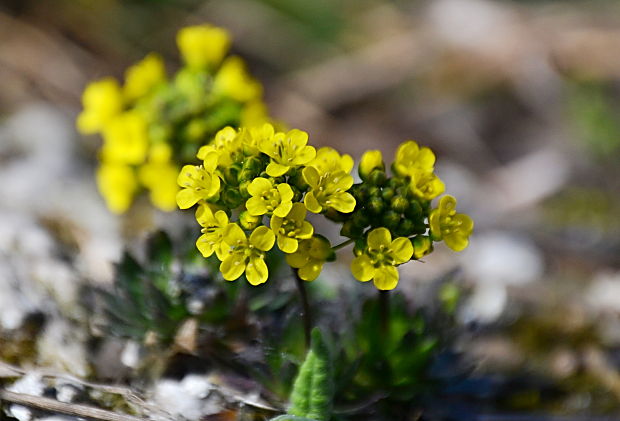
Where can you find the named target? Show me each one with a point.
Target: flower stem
(306, 313)
(384, 312)
(343, 244)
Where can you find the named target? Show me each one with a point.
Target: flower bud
(243, 189)
(405, 228)
(231, 198)
(253, 165)
(231, 174)
(350, 230)
(377, 178)
(360, 219)
(414, 210)
(296, 179)
(376, 205)
(371, 160)
(359, 192)
(249, 222)
(399, 204)
(422, 245)
(387, 193)
(391, 219)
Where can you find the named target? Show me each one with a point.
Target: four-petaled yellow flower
(410, 157)
(232, 80)
(102, 100)
(286, 150)
(213, 231)
(198, 182)
(245, 254)
(292, 228)
(380, 258)
(426, 185)
(328, 190)
(267, 198)
(203, 46)
(329, 160)
(451, 227)
(310, 257)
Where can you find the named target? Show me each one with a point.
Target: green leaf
(313, 389)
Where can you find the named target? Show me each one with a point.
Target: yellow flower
(410, 157)
(228, 144)
(102, 100)
(267, 198)
(117, 184)
(144, 76)
(232, 80)
(426, 185)
(213, 229)
(203, 46)
(449, 226)
(246, 254)
(370, 161)
(159, 175)
(328, 191)
(198, 182)
(292, 228)
(380, 258)
(329, 160)
(125, 139)
(286, 150)
(310, 257)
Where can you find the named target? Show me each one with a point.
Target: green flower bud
(405, 228)
(377, 178)
(253, 165)
(245, 175)
(376, 205)
(297, 194)
(391, 219)
(350, 230)
(414, 211)
(296, 179)
(371, 160)
(231, 174)
(374, 191)
(419, 228)
(359, 192)
(399, 204)
(249, 222)
(360, 219)
(422, 245)
(243, 189)
(387, 193)
(232, 198)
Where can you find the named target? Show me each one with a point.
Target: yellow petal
(205, 245)
(186, 198)
(362, 268)
(233, 266)
(287, 244)
(386, 278)
(276, 170)
(379, 237)
(256, 271)
(262, 238)
(310, 271)
(283, 209)
(402, 250)
(311, 203)
(312, 177)
(258, 186)
(342, 202)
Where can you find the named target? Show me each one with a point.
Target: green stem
(384, 312)
(343, 244)
(306, 313)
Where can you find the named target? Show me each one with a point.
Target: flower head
(246, 254)
(292, 228)
(102, 100)
(410, 157)
(328, 190)
(379, 259)
(117, 184)
(267, 198)
(198, 182)
(310, 257)
(449, 226)
(213, 230)
(203, 46)
(144, 76)
(286, 150)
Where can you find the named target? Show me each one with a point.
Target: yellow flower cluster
(152, 124)
(268, 180)
(393, 221)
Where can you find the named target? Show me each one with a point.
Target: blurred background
(520, 100)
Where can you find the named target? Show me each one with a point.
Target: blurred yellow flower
(328, 190)
(451, 227)
(117, 184)
(380, 258)
(125, 139)
(292, 228)
(203, 46)
(102, 100)
(267, 198)
(310, 257)
(233, 80)
(246, 254)
(144, 76)
(286, 150)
